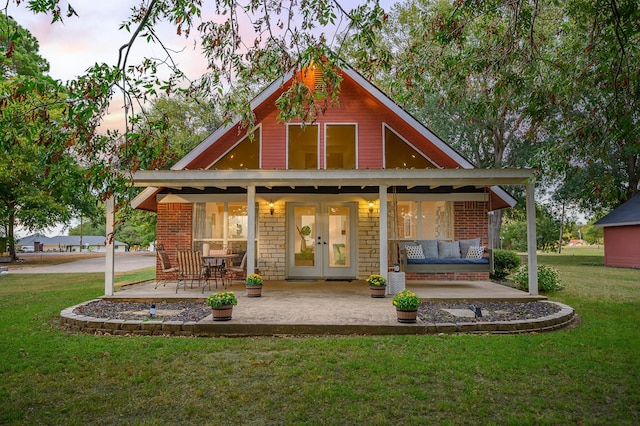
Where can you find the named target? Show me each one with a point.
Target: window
(340, 146)
(400, 155)
(421, 220)
(302, 146)
(221, 224)
(245, 155)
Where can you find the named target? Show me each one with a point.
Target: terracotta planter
(407, 316)
(254, 290)
(378, 291)
(223, 313)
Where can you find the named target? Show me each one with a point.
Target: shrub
(505, 262)
(548, 278)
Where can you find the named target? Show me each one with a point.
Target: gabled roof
(460, 161)
(627, 214)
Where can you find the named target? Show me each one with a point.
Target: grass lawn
(586, 375)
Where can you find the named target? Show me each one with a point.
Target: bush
(505, 262)
(548, 279)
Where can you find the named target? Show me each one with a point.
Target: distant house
(622, 235)
(62, 243)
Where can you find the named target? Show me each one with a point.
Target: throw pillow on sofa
(448, 250)
(414, 252)
(465, 244)
(430, 248)
(475, 252)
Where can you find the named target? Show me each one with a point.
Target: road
(123, 263)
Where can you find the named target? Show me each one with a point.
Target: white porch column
(251, 232)
(531, 239)
(384, 249)
(109, 248)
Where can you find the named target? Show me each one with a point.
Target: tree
(594, 107)
(38, 187)
(287, 37)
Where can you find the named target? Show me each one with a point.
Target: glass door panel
(339, 237)
(304, 235)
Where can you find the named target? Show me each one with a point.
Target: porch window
(340, 146)
(220, 225)
(421, 220)
(302, 150)
(245, 155)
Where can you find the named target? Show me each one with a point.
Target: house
(622, 235)
(86, 243)
(329, 199)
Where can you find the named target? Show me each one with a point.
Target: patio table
(216, 263)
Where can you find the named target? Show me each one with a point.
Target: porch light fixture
(370, 207)
(271, 208)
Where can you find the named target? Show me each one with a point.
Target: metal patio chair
(166, 268)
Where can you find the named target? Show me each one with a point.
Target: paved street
(123, 263)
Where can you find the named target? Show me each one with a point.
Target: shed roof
(627, 214)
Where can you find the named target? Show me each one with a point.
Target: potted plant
(253, 284)
(222, 305)
(377, 285)
(406, 303)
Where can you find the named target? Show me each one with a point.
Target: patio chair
(237, 272)
(191, 267)
(216, 267)
(166, 268)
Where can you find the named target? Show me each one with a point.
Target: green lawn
(586, 375)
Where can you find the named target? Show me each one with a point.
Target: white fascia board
(143, 196)
(504, 195)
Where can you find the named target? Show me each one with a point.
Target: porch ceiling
(369, 177)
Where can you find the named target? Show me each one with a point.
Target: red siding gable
(357, 105)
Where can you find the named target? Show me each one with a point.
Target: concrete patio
(316, 308)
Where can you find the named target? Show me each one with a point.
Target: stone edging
(208, 328)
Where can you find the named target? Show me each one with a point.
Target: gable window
(245, 155)
(400, 155)
(422, 220)
(340, 146)
(302, 146)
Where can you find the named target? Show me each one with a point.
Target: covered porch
(254, 184)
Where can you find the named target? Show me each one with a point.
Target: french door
(321, 240)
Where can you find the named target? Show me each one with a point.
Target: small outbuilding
(622, 235)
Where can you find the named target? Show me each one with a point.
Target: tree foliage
(39, 187)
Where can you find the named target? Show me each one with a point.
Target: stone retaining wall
(208, 328)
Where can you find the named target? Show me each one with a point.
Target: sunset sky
(80, 42)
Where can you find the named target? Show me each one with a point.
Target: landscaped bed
(428, 312)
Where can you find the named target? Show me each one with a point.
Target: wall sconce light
(271, 208)
(370, 207)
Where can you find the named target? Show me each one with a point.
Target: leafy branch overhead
(246, 44)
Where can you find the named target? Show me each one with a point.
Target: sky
(94, 37)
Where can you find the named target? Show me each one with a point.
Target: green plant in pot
(253, 280)
(377, 285)
(222, 305)
(253, 285)
(406, 303)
